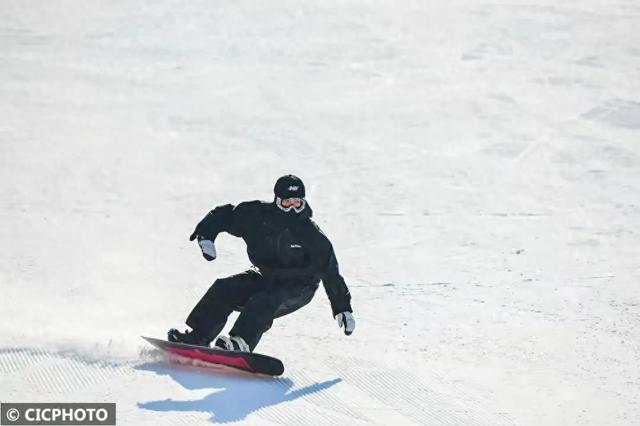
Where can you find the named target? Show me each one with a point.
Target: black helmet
(289, 186)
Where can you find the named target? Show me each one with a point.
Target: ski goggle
(288, 204)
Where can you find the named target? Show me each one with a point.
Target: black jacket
(283, 246)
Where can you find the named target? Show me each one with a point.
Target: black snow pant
(258, 300)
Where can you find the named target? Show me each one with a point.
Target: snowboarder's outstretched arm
(339, 295)
(335, 286)
(226, 218)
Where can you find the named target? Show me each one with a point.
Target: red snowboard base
(246, 361)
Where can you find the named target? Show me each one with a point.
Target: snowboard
(245, 361)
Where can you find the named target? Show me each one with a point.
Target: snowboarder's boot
(235, 343)
(189, 337)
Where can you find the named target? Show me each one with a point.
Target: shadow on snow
(237, 394)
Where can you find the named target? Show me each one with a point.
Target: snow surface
(475, 163)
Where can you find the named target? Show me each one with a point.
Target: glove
(208, 249)
(346, 320)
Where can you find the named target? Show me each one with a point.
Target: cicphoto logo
(58, 414)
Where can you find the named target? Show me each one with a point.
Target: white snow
(476, 165)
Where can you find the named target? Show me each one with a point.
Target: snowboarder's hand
(346, 321)
(208, 249)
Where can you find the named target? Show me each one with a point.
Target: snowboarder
(290, 256)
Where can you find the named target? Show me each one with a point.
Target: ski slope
(476, 165)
